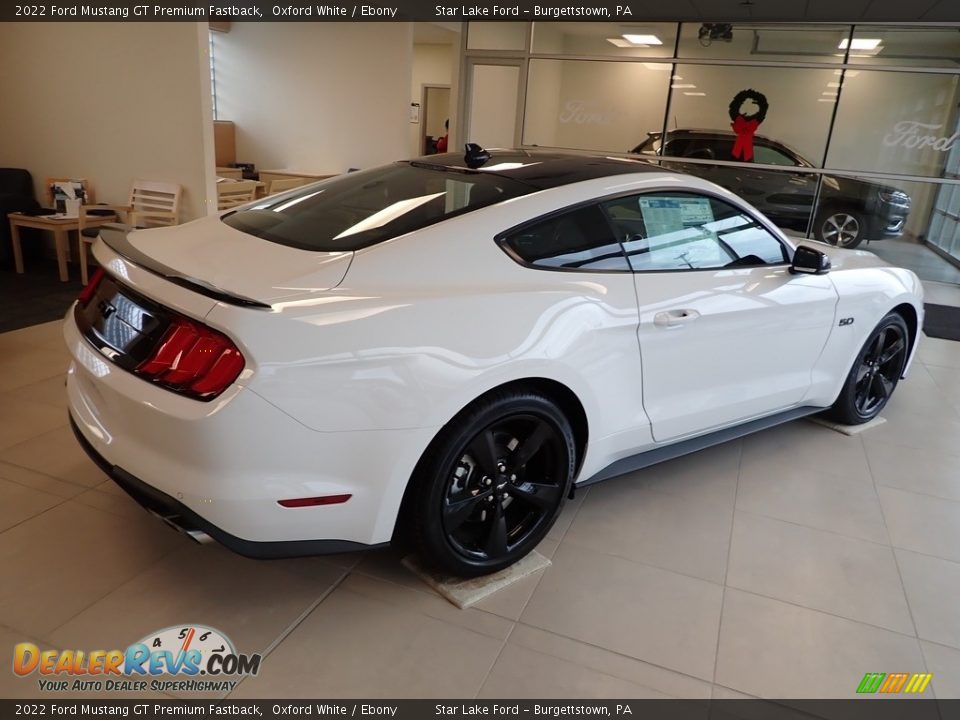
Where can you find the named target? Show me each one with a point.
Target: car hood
(219, 256)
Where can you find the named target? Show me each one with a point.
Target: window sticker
(666, 215)
(676, 237)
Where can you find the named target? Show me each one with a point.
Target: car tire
(841, 227)
(875, 372)
(492, 483)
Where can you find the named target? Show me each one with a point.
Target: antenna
(474, 155)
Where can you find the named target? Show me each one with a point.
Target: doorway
(435, 109)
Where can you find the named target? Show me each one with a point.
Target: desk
(59, 226)
(268, 175)
(260, 189)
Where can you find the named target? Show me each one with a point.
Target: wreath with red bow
(746, 125)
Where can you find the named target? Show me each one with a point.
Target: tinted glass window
(767, 155)
(722, 148)
(677, 146)
(705, 147)
(686, 231)
(577, 240)
(360, 209)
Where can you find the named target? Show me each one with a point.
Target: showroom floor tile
(843, 576)
(786, 564)
(653, 677)
(522, 673)
(799, 493)
(774, 649)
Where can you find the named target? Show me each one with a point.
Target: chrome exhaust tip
(172, 521)
(199, 536)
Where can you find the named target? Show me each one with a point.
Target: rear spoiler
(115, 237)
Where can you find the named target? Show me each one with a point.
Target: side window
(577, 240)
(687, 231)
(700, 149)
(767, 155)
(722, 148)
(677, 147)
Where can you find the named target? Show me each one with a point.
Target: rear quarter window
(579, 239)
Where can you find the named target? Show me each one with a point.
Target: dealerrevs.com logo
(189, 657)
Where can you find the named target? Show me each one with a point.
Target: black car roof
(541, 170)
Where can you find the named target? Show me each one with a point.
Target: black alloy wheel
(875, 373)
(497, 484)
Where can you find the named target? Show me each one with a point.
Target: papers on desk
(68, 195)
(71, 189)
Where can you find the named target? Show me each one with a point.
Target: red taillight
(313, 501)
(91, 287)
(194, 360)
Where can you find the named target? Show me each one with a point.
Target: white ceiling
(429, 33)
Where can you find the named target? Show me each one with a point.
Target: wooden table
(268, 175)
(59, 226)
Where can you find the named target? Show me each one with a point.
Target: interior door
(726, 332)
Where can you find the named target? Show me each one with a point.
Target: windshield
(360, 209)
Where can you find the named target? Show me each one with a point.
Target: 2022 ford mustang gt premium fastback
(447, 346)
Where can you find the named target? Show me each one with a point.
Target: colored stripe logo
(893, 683)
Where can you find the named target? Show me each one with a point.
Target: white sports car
(451, 345)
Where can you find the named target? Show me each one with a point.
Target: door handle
(675, 318)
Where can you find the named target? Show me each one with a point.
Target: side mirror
(809, 261)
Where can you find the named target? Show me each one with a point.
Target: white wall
(109, 102)
(493, 105)
(593, 106)
(316, 97)
(542, 108)
(433, 64)
(874, 103)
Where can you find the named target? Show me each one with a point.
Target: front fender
(868, 290)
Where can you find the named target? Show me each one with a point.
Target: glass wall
(580, 104)
(845, 133)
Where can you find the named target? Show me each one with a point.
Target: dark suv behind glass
(850, 209)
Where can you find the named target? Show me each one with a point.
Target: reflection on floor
(917, 257)
(783, 565)
(941, 293)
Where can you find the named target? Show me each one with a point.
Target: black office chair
(16, 195)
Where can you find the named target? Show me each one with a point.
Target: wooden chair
(151, 204)
(281, 184)
(232, 194)
(230, 173)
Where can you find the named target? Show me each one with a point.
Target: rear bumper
(222, 467)
(184, 520)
